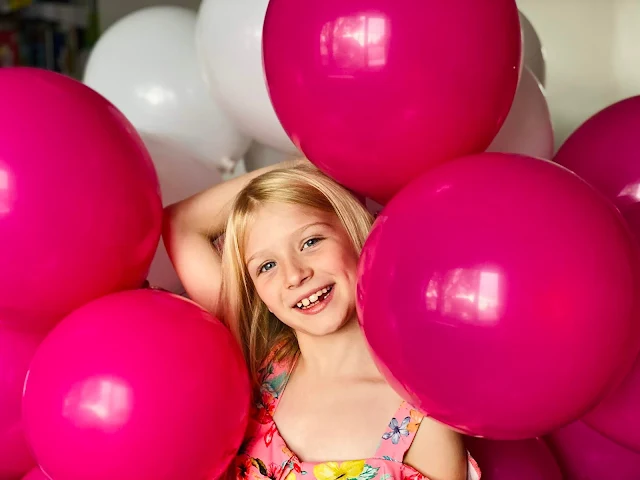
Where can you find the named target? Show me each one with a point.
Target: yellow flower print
(335, 471)
(291, 476)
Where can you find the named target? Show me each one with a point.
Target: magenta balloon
(376, 91)
(618, 415)
(499, 293)
(16, 351)
(139, 384)
(521, 459)
(605, 152)
(80, 210)
(35, 474)
(584, 454)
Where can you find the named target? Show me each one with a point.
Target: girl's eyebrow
(300, 230)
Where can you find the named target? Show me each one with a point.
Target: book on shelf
(10, 6)
(55, 35)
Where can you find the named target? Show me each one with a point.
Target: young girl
(285, 284)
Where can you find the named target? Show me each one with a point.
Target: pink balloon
(139, 384)
(375, 92)
(16, 351)
(583, 454)
(80, 210)
(35, 474)
(605, 151)
(499, 292)
(528, 129)
(618, 416)
(522, 459)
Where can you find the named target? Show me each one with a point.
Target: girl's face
(303, 266)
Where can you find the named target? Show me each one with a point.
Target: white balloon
(533, 52)
(181, 175)
(229, 42)
(146, 64)
(260, 155)
(528, 129)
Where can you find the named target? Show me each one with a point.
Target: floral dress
(265, 455)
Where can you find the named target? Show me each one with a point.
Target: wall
(112, 10)
(593, 55)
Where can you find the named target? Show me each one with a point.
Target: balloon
(618, 416)
(374, 92)
(481, 296)
(16, 351)
(80, 215)
(229, 42)
(35, 474)
(604, 151)
(138, 384)
(523, 459)
(181, 175)
(147, 65)
(533, 55)
(583, 454)
(528, 129)
(260, 155)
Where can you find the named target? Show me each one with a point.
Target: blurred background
(592, 48)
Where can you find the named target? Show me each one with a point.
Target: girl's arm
(189, 228)
(438, 452)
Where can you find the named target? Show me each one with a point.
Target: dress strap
(399, 434)
(275, 376)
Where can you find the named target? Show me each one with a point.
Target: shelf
(69, 14)
(10, 6)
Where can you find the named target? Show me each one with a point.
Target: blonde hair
(257, 330)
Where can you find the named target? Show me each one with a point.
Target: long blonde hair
(257, 330)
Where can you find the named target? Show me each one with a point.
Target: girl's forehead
(287, 216)
(276, 223)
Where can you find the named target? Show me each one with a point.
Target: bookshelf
(55, 35)
(9, 6)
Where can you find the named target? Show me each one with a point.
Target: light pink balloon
(16, 351)
(485, 267)
(522, 459)
(527, 129)
(137, 385)
(80, 209)
(584, 454)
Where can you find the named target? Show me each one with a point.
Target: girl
(285, 284)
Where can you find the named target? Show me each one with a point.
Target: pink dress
(265, 455)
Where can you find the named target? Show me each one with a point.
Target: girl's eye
(310, 243)
(267, 266)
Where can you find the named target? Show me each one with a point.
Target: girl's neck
(341, 354)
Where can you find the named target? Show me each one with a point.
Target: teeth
(313, 298)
